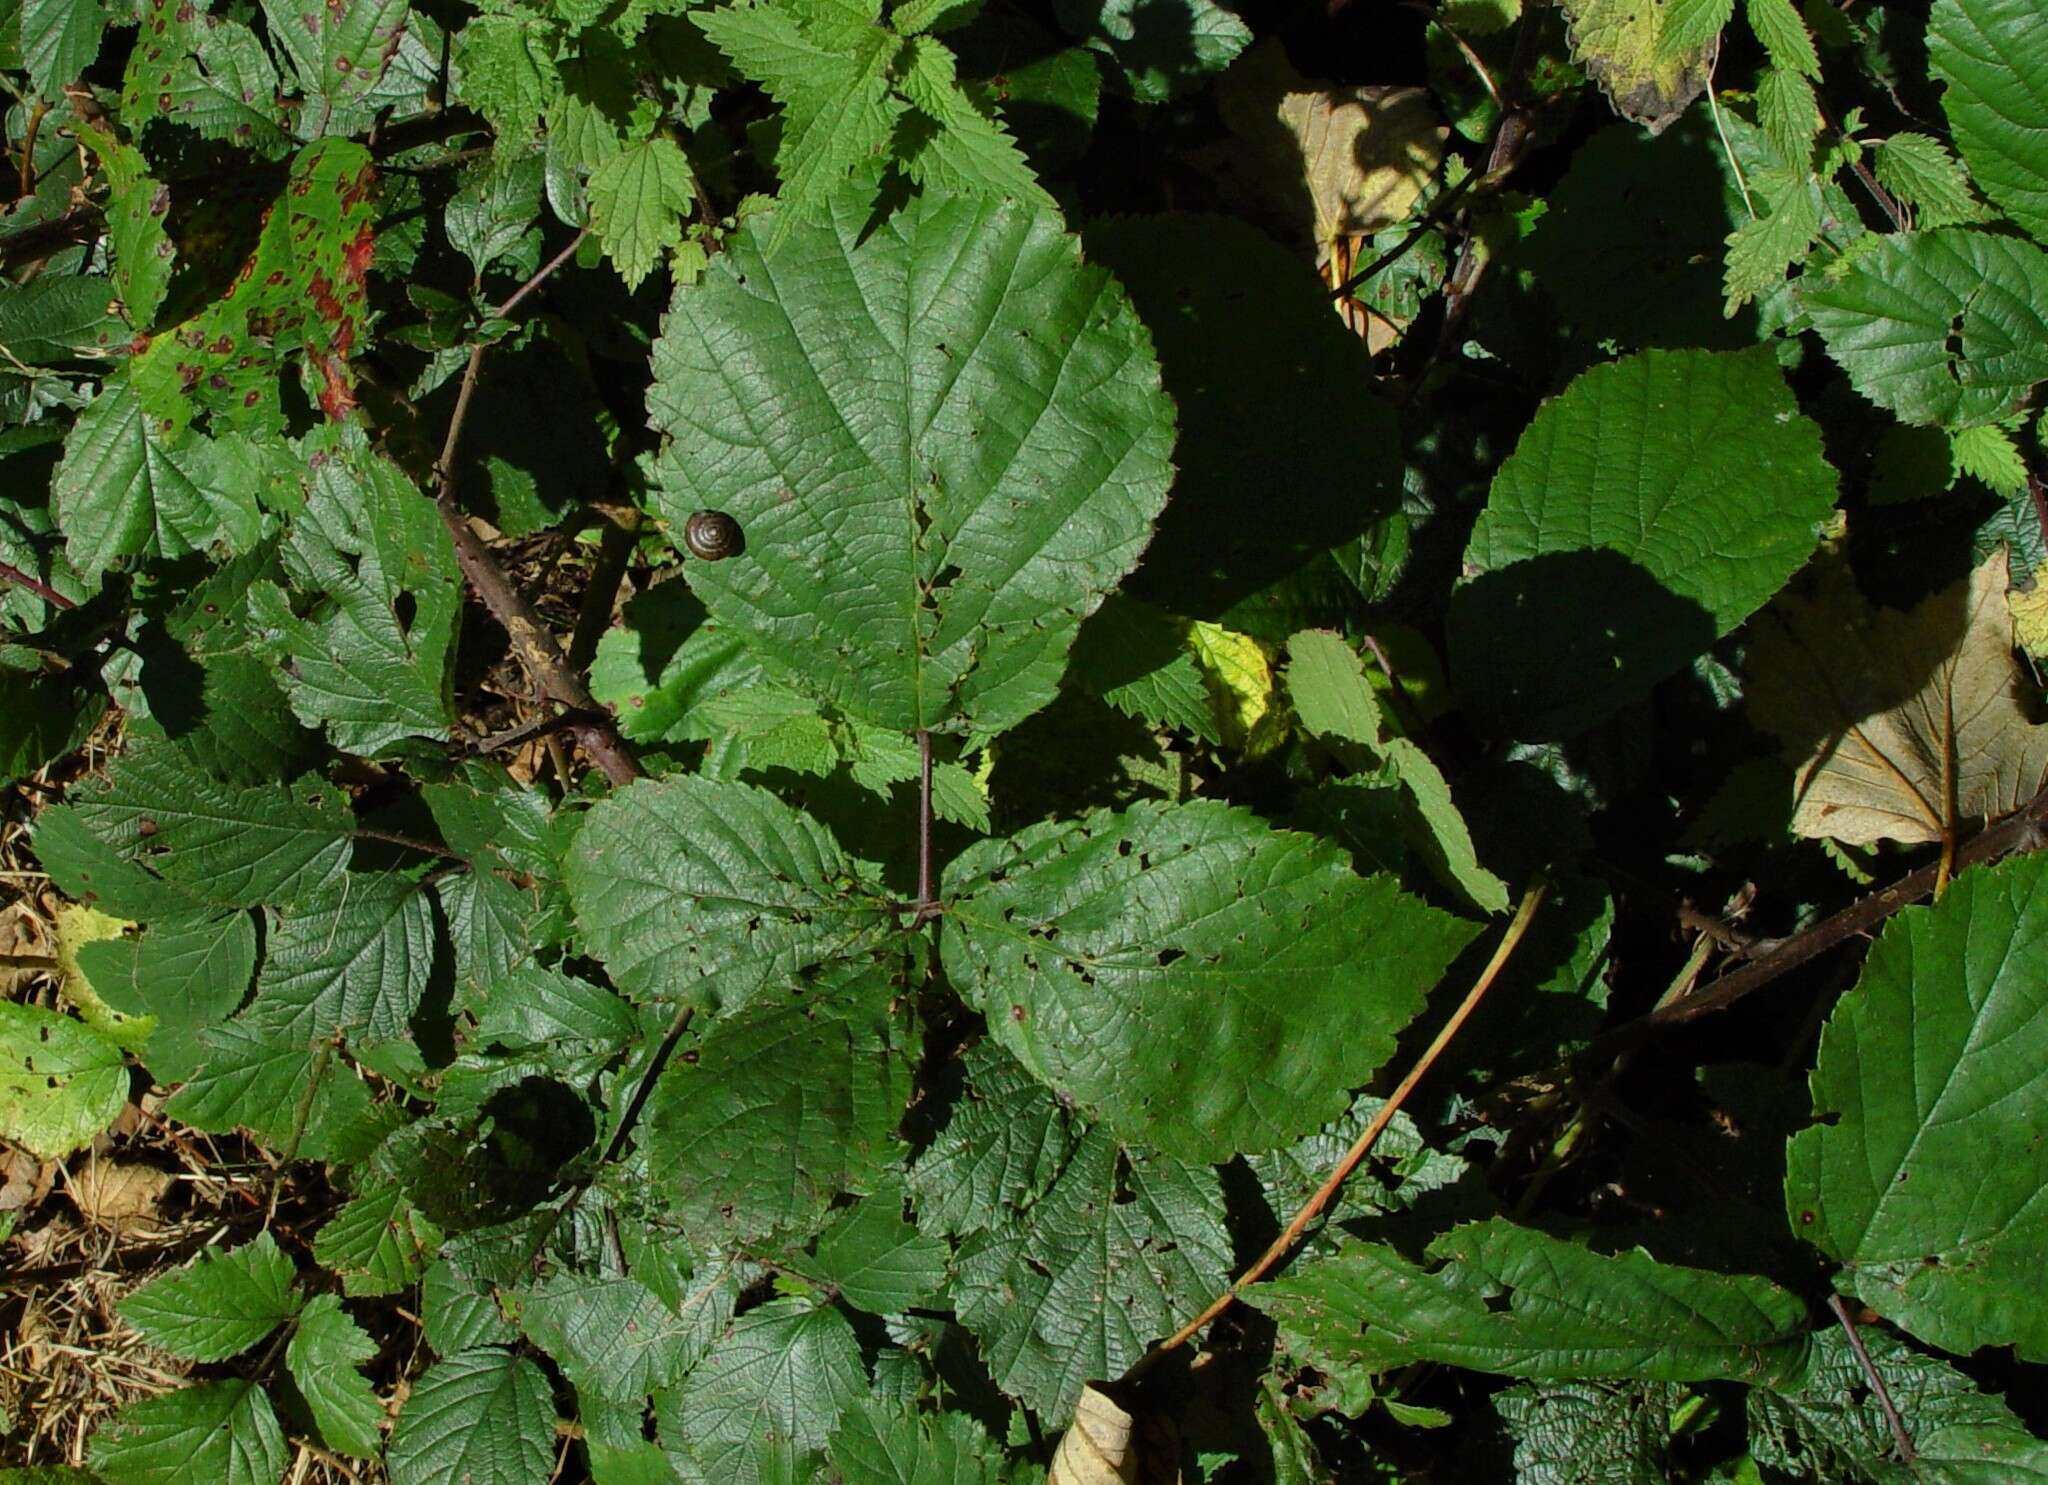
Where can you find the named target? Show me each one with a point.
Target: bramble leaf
(220, 1304)
(783, 1371)
(1986, 52)
(324, 1353)
(479, 1417)
(61, 1082)
(222, 1431)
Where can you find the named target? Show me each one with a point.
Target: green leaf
(368, 660)
(879, 1443)
(1159, 49)
(218, 1305)
(837, 108)
(787, 1104)
(1925, 1179)
(689, 888)
(1590, 1433)
(59, 40)
(508, 72)
(1788, 111)
(482, 1417)
(1137, 658)
(1201, 982)
(1989, 454)
(879, 1261)
(495, 207)
(279, 1087)
(137, 204)
(1123, 1248)
(226, 845)
(187, 972)
(61, 1082)
(458, 1313)
(1763, 248)
(1621, 44)
(1647, 511)
(1690, 24)
(1517, 1302)
(324, 1355)
(206, 72)
(1831, 1427)
(966, 151)
(50, 320)
(340, 52)
(919, 562)
(1921, 172)
(377, 1243)
(639, 199)
(785, 1371)
(212, 1431)
(1987, 53)
(355, 957)
(1940, 327)
(614, 1337)
(126, 490)
(1006, 1140)
(1784, 35)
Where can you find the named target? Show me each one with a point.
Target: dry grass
(82, 1233)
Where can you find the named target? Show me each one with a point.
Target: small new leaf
(639, 199)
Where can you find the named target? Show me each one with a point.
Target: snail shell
(712, 536)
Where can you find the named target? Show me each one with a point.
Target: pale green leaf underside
(699, 889)
(1948, 326)
(1568, 1314)
(943, 437)
(1645, 512)
(1989, 54)
(1931, 1183)
(1205, 984)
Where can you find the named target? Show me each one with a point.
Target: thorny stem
(1362, 1146)
(2019, 832)
(1907, 1453)
(536, 647)
(10, 573)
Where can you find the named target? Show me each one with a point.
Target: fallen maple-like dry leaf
(1903, 726)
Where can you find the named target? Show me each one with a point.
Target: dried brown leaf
(1903, 726)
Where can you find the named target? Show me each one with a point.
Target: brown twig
(10, 573)
(28, 147)
(1362, 1146)
(614, 552)
(2020, 831)
(1907, 1453)
(554, 678)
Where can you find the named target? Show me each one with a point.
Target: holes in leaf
(1953, 348)
(405, 608)
(1500, 1302)
(1168, 956)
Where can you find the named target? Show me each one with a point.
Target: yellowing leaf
(1617, 42)
(1904, 725)
(2030, 615)
(1096, 1448)
(1240, 684)
(78, 925)
(1359, 155)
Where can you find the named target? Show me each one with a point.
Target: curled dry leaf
(119, 1195)
(1902, 725)
(1097, 1446)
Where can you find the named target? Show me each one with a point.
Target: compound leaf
(1521, 1303)
(1927, 1178)
(943, 437)
(220, 1304)
(1203, 983)
(1644, 513)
